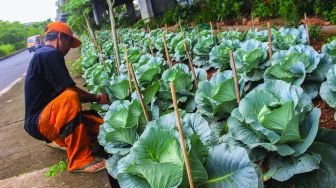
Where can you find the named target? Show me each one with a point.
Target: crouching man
(53, 102)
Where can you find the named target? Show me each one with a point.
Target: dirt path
(24, 160)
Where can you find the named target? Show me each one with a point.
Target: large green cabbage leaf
(230, 166)
(217, 97)
(274, 116)
(328, 88)
(250, 59)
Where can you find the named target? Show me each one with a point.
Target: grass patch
(75, 67)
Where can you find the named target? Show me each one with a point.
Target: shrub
(6, 49)
(75, 67)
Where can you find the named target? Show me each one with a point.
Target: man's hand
(102, 98)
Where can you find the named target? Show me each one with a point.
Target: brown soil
(327, 114)
(210, 73)
(317, 44)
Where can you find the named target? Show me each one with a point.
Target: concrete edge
(27, 179)
(13, 54)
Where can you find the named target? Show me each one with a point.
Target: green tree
(76, 9)
(13, 35)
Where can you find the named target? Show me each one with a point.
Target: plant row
(270, 138)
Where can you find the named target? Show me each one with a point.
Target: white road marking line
(10, 86)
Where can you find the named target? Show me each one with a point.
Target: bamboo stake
(166, 50)
(166, 28)
(114, 33)
(94, 38)
(307, 29)
(181, 30)
(150, 42)
(218, 33)
(189, 59)
(197, 33)
(128, 71)
(139, 92)
(187, 24)
(235, 77)
(252, 20)
(258, 27)
(212, 31)
(132, 42)
(269, 41)
(178, 120)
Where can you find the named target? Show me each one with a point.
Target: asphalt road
(13, 68)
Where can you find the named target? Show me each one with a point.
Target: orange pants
(64, 122)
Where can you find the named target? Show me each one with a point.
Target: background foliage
(13, 35)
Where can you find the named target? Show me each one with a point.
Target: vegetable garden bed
(327, 119)
(273, 136)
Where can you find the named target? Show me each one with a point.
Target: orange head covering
(64, 28)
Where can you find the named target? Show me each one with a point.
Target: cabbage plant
(287, 37)
(182, 78)
(220, 55)
(287, 66)
(251, 59)
(97, 77)
(330, 50)
(280, 119)
(151, 71)
(301, 65)
(328, 88)
(202, 49)
(180, 54)
(156, 160)
(217, 97)
(231, 35)
(118, 88)
(261, 36)
(122, 123)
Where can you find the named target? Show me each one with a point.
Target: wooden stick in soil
(178, 120)
(189, 58)
(212, 31)
(166, 50)
(307, 29)
(252, 21)
(218, 33)
(139, 92)
(114, 33)
(235, 77)
(187, 23)
(190, 62)
(93, 35)
(150, 42)
(269, 42)
(128, 71)
(181, 30)
(197, 33)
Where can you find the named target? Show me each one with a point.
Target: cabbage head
(278, 118)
